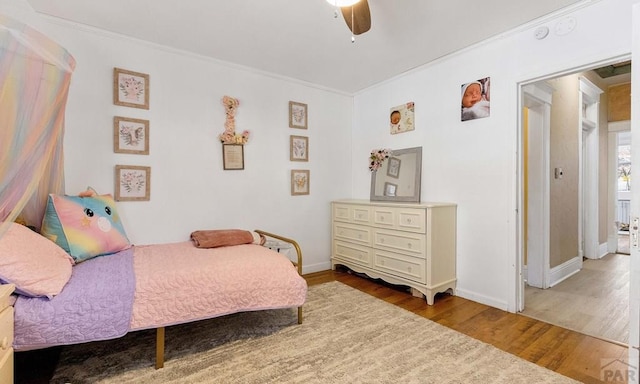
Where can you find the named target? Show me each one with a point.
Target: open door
(634, 275)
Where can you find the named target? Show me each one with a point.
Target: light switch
(559, 173)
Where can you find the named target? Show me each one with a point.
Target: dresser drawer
(6, 342)
(6, 329)
(400, 218)
(349, 232)
(6, 367)
(412, 268)
(352, 252)
(406, 242)
(5, 293)
(357, 214)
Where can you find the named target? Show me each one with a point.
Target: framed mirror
(398, 179)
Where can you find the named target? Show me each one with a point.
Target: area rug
(347, 337)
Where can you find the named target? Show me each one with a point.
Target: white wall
(474, 163)
(189, 188)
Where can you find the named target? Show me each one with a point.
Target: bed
(155, 286)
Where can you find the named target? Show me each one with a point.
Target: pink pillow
(37, 266)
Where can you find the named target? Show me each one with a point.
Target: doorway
(621, 136)
(566, 223)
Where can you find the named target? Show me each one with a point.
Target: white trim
(588, 166)
(612, 185)
(565, 270)
(603, 249)
(537, 98)
(490, 301)
(619, 126)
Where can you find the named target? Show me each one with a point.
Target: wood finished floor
(567, 352)
(594, 301)
(561, 350)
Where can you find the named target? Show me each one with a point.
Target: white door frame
(612, 184)
(537, 97)
(588, 164)
(634, 272)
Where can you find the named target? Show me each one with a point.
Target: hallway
(595, 301)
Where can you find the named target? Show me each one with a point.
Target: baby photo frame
(475, 99)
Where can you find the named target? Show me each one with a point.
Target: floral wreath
(229, 136)
(377, 157)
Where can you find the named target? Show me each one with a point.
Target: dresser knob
(409, 221)
(382, 241)
(359, 235)
(5, 343)
(381, 218)
(409, 269)
(409, 245)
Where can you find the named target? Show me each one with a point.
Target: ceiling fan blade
(361, 17)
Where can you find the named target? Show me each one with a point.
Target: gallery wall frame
(130, 89)
(390, 189)
(298, 148)
(393, 169)
(402, 118)
(130, 135)
(232, 157)
(300, 179)
(475, 102)
(132, 183)
(298, 115)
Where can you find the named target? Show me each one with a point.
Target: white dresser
(6, 334)
(401, 243)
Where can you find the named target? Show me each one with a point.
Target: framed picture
(297, 115)
(232, 156)
(390, 189)
(475, 100)
(133, 183)
(300, 182)
(130, 89)
(298, 148)
(393, 169)
(130, 135)
(401, 118)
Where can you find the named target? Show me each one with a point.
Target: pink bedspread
(178, 283)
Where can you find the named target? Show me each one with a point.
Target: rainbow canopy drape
(35, 73)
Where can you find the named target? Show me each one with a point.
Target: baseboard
(492, 302)
(612, 243)
(565, 270)
(603, 249)
(325, 266)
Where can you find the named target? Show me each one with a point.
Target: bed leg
(159, 347)
(299, 315)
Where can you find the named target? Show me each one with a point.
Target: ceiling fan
(355, 13)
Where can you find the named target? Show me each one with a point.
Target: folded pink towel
(224, 237)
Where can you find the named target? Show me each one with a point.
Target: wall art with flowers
(229, 136)
(132, 183)
(300, 181)
(130, 89)
(130, 135)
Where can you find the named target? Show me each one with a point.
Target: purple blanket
(96, 304)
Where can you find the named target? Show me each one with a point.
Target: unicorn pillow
(84, 226)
